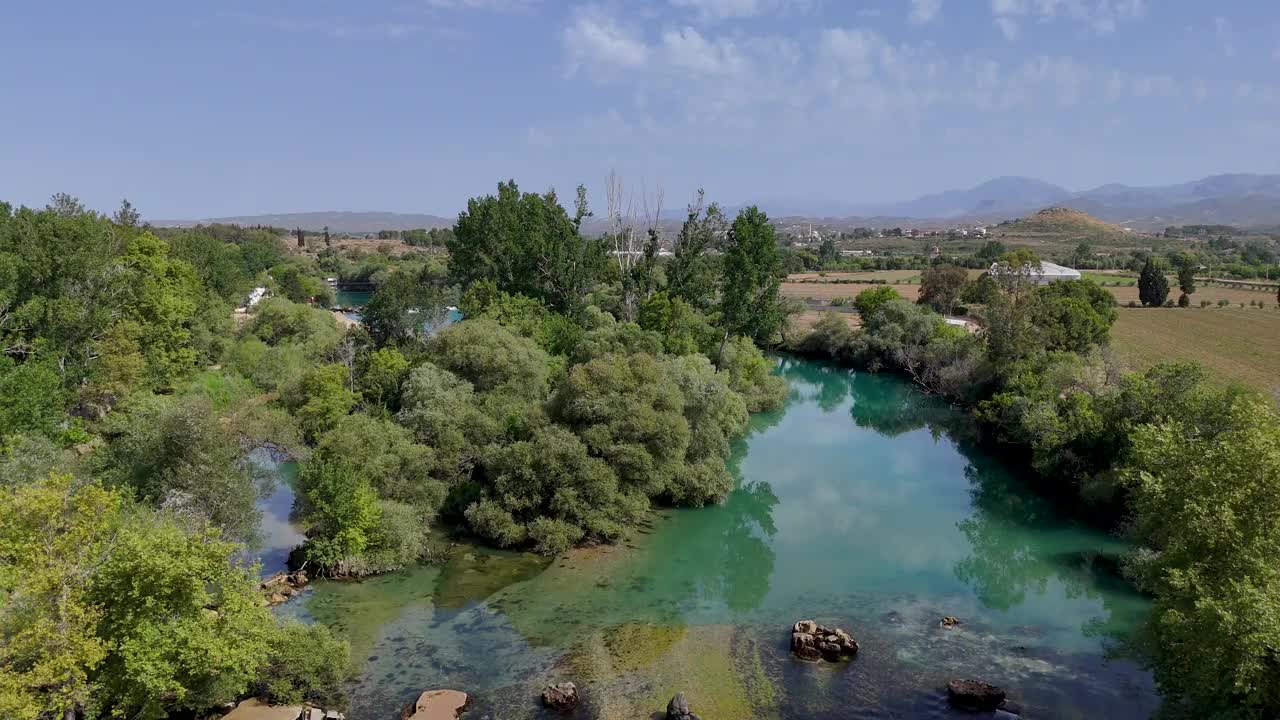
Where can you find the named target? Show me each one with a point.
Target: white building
(1047, 273)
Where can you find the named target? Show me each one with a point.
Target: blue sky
(198, 109)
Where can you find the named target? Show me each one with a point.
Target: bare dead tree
(633, 224)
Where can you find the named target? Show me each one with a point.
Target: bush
(1204, 303)
(1169, 304)
(1224, 302)
(1184, 300)
(1133, 304)
(307, 664)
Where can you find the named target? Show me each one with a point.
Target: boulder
(974, 695)
(678, 709)
(437, 705)
(950, 621)
(811, 641)
(255, 709)
(563, 696)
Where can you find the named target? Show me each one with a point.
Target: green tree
(491, 356)
(1208, 510)
(54, 537)
(341, 510)
(320, 399)
(1073, 315)
(379, 376)
(872, 299)
(752, 266)
(183, 619)
(127, 215)
(406, 308)
(1186, 264)
(1153, 286)
(528, 245)
(940, 286)
(31, 397)
(691, 272)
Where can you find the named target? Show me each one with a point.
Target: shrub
(1224, 302)
(307, 664)
(1169, 304)
(1204, 303)
(1184, 300)
(1133, 304)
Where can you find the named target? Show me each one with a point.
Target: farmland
(1235, 344)
(823, 292)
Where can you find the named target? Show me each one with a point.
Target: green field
(1236, 344)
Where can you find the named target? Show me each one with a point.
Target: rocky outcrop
(975, 695)
(562, 696)
(813, 642)
(678, 709)
(950, 621)
(280, 587)
(256, 709)
(437, 705)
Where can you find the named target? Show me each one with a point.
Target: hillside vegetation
(1066, 222)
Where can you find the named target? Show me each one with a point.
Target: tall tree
(691, 272)
(752, 268)
(127, 215)
(1187, 265)
(526, 244)
(1153, 286)
(940, 286)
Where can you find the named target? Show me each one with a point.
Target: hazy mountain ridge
(1242, 199)
(336, 221)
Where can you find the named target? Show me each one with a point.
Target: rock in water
(974, 695)
(950, 621)
(811, 641)
(563, 696)
(437, 705)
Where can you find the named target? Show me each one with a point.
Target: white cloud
(1102, 16)
(710, 10)
(596, 40)
(688, 49)
(924, 11)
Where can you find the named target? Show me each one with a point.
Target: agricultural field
(886, 275)
(1213, 293)
(1236, 344)
(824, 292)
(802, 322)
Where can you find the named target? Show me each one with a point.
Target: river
(861, 503)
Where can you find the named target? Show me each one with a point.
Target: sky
(232, 107)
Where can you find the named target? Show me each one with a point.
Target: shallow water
(278, 534)
(861, 503)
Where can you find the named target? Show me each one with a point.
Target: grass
(1235, 344)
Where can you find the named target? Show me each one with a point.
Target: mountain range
(1244, 200)
(1233, 199)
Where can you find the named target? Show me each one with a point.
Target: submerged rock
(811, 641)
(974, 695)
(437, 705)
(563, 696)
(950, 621)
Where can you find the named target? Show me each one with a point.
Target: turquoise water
(861, 503)
(351, 298)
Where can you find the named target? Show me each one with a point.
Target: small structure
(256, 296)
(1052, 272)
(1047, 272)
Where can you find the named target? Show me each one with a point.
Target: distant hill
(1238, 199)
(994, 197)
(1063, 222)
(338, 222)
